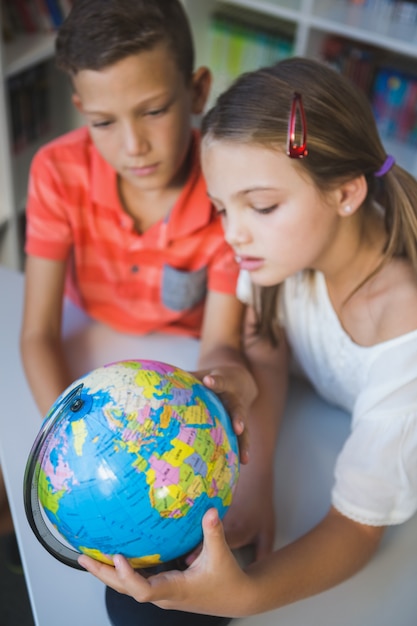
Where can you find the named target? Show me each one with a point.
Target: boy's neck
(147, 207)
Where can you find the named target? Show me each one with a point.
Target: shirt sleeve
(376, 471)
(48, 231)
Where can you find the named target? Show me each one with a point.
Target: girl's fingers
(214, 543)
(119, 577)
(236, 410)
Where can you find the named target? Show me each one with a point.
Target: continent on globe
(128, 460)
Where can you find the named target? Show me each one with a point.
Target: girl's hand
(214, 584)
(237, 390)
(250, 521)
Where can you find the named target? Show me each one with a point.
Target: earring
(347, 209)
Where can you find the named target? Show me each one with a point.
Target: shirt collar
(192, 210)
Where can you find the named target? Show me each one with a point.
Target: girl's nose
(235, 232)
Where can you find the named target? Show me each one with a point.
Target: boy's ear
(76, 101)
(352, 195)
(201, 83)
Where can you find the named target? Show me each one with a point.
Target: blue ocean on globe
(139, 451)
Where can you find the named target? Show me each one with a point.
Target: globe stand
(33, 507)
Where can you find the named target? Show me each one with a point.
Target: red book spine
(25, 16)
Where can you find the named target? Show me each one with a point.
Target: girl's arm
(214, 584)
(40, 340)
(251, 518)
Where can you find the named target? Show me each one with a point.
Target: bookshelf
(30, 84)
(388, 27)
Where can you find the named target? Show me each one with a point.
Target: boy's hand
(237, 389)
(214, 584)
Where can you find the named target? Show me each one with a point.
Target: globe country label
(134, 469)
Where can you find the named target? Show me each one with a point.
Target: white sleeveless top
(376, 471)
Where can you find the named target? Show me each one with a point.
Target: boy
(117, 211)
(118, 216)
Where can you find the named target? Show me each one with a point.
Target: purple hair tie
(385, 167)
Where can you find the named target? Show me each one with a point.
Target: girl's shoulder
(393, 300)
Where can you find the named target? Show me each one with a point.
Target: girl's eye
(265, 210)
(220, 210)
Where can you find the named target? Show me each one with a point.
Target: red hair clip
(294, 150)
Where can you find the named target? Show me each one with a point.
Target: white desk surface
(383, 594)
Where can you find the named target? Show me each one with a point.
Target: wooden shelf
(26, 51)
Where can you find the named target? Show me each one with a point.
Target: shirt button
(134, 269)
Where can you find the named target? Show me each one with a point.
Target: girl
(325, 224)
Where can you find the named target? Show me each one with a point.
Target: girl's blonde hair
(342, 141)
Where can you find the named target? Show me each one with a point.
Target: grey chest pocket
(182, 290)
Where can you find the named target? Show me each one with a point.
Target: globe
(128, 460)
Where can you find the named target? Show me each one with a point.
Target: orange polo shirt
(136, 283)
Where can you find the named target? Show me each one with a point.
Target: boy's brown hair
(99, 33)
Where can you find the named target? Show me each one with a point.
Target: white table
(383, 594)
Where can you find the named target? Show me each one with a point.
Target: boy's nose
(135, 142)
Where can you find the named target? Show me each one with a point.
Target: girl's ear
(201, 83)
(352, 195)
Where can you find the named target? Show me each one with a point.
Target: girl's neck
(368, 292)
(356, 255)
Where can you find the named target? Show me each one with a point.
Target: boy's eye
(156, 112)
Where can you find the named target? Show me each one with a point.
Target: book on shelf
(357, 62)
(236, 46)
(24, 12)
(391, 91)
(31, 16)
(17, 134)
(7, 26)
(11, 17)
(394, 101)
(45, 23)
(55, 12)
(29, 106)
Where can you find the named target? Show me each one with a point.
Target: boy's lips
(249, 263)
(144, 170)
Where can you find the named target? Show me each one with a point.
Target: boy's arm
(221, 335)
(214, 584)
(40, 340)
(222, 364)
